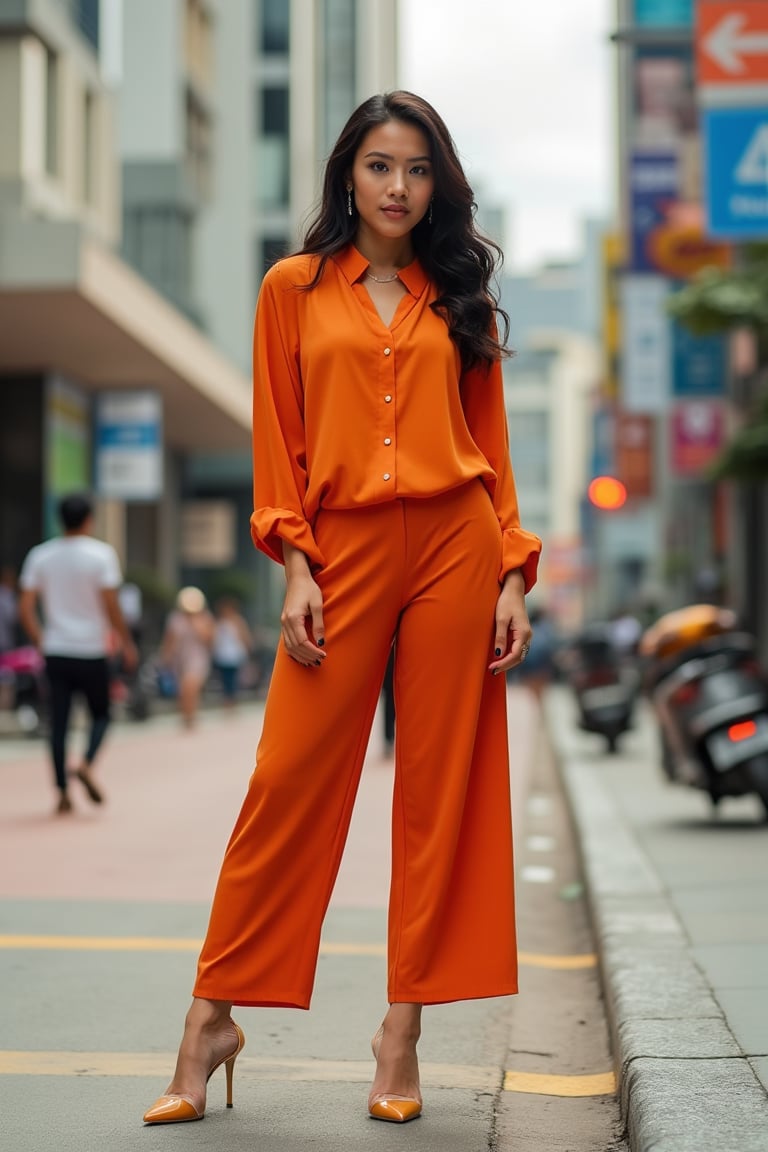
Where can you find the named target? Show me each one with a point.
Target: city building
(103, 382)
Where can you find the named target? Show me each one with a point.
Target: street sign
(654, 184)
(699, 363)
(646, 359)
(663, 13)
(697, 430)
(129, 445)
(732, 51)
(736, 172)
(634, 453)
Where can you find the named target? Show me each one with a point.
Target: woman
(232, 646)
(186, 650)
(383, 483)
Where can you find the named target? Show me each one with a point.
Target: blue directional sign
(736, 172)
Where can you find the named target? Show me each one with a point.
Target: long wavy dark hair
(459, 261)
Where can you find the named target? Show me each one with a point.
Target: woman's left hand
(513, 629)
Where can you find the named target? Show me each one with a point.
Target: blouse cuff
(520, 549)
(271, 526)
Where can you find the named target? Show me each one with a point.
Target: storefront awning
(69, 306)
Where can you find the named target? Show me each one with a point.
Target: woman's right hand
(303, 601)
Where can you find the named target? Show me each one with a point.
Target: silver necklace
(383, 279)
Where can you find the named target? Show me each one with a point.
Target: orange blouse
(348, 412)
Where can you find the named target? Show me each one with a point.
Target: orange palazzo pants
(425, 570)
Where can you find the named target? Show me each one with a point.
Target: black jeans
(66, 676)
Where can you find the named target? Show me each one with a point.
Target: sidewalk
(680, 911)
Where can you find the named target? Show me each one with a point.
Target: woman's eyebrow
(386, 156)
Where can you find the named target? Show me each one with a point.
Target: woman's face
(392, 179)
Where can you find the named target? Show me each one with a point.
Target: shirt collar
(353, 265)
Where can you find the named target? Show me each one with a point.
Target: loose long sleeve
(483, 400)
(279, 440)
(349, 412)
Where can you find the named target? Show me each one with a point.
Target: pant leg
(94, 684)
(281, 863)
(451, 920)
(60, 690)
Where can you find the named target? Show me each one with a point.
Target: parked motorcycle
(604, 685)
(710, 696)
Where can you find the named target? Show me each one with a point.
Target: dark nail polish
(495, 671)
(318, 663)
(321, 642)
(498, 651)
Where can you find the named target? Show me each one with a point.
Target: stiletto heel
(229, 1068)
(388, 1105)
(179, 1109)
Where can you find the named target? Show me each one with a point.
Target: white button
(387, 399)
(387, 440)
(387, 351)
(386, 476)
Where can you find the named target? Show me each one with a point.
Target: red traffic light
(607, 492)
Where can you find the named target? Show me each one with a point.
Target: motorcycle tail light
(742, 731)
(685, 694)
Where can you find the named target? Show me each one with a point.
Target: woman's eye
(378, 166)
(419, 170)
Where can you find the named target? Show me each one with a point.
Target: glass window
(275, 111)
(86, 14)
(275, 27)
(341, 66)
(272, 159)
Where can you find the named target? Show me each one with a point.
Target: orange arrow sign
(732, 42)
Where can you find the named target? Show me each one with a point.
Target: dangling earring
(349, 201)
(429, 218)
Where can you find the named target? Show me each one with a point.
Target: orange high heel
(180, 1109)
(388, 1105)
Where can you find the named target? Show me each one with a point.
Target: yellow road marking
(156, 944)
(543, 960)
(543, 1084)
(181, 944)
(477, 1078)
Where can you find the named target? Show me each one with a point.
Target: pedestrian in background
(383, 483)
(74, 580)
(232, 647)
(185, 650)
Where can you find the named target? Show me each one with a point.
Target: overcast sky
(525, 87)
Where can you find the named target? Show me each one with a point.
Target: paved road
(100, 920)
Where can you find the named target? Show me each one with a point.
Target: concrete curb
(685, 1083)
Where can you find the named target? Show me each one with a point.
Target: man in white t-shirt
(75, 580)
